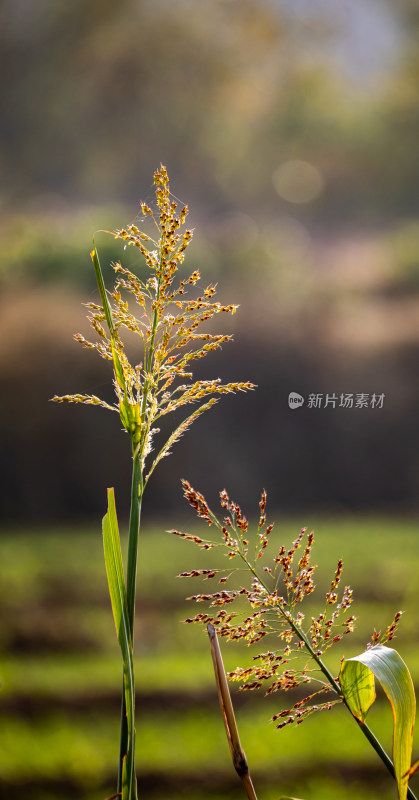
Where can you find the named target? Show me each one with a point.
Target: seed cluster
(389, 634)
(272, 602)
(168, 324)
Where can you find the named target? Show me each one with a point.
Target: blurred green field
(61, 675)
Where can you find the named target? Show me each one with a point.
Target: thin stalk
(133, 536)
(137, 488)
(381, 752)
(149, 362)
(237, 753)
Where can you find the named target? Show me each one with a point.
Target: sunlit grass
(175, 741)
(59, 575)
(186, 743)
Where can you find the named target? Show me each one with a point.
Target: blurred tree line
(94, 93)
(301, 175)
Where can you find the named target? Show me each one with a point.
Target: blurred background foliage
(291, 130)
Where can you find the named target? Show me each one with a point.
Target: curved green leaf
(130, 414)
(117, 591)
(357, 683)
(102, 291)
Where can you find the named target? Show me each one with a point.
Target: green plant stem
(133, 536)
(137, 489)
(381, 752)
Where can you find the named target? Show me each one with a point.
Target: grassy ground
(60, 671)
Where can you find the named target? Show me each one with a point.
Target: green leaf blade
(358, 685)
(102, 291)
(118, 595)
(389, 668)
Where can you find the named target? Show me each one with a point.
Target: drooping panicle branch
(268, 607)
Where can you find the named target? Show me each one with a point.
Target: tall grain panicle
(170, 325)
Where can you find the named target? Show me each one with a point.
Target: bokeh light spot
(297, 181)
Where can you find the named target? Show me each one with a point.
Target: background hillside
(291, 132)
